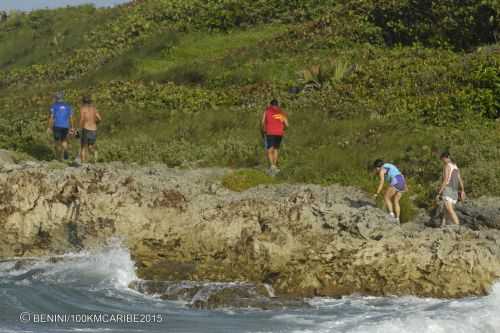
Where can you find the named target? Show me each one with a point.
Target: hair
(445, 154)
(59, 96)
(275, 102)
(378, 163)
(86, 100)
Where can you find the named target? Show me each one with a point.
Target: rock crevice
(304, 240)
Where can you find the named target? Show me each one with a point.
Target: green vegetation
(245, 179)
(184, 82)
(449, 23)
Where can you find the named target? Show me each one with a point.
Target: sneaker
(273, 170)
(392, 218)
(76, 162)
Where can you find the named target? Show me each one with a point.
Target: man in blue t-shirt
(61, 125)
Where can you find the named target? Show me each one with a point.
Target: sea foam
(404, 315)
(108, 267)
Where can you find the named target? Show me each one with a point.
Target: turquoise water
(38, 4)
(96, 283)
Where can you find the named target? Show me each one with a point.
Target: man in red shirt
(274, 123)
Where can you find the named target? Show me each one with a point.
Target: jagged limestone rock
(304, 240)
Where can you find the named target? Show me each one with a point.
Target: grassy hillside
(184, 82)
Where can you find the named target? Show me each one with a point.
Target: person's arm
(462, 187)
(71, 120)
(82, 118)
(285, 120)
(381, 175)
(446, 175)
(263, 124)
(98, 116)
(50, 122)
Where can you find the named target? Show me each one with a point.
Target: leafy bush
(460, 24)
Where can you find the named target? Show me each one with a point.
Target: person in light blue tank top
(397, 185)
(391, 171)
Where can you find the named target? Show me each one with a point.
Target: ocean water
(77, 285)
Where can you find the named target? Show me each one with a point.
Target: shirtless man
(89, 117)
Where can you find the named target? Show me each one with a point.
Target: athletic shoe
(392, 218)
(273, 170)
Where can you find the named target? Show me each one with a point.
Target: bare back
(89, 117)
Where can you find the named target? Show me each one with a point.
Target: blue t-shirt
(61, 112)
(391, 171)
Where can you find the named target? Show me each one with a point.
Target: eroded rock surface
(208, 296)
(479, 214)
(303, 240)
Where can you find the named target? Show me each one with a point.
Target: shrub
(457, 23)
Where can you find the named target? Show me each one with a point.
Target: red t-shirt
(275, 121)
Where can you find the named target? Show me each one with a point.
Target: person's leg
(83, 145)
(275, 156)
(451, 212)
(92, 152)
(84, 153)
(389, 194)
(277, 150)
(397, 207)
(445, 217)
(57, 149)
(270, 156)
(92, 148)
(57, 143)
(64, 146)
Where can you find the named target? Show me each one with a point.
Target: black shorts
(88, 137)
(273, 141)
(60, 133)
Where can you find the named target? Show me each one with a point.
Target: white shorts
(451, 200)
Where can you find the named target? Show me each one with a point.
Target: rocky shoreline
(300, 240)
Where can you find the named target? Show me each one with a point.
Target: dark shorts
(399, 183)
(88, 137)
(60, 133)
(273, 141)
